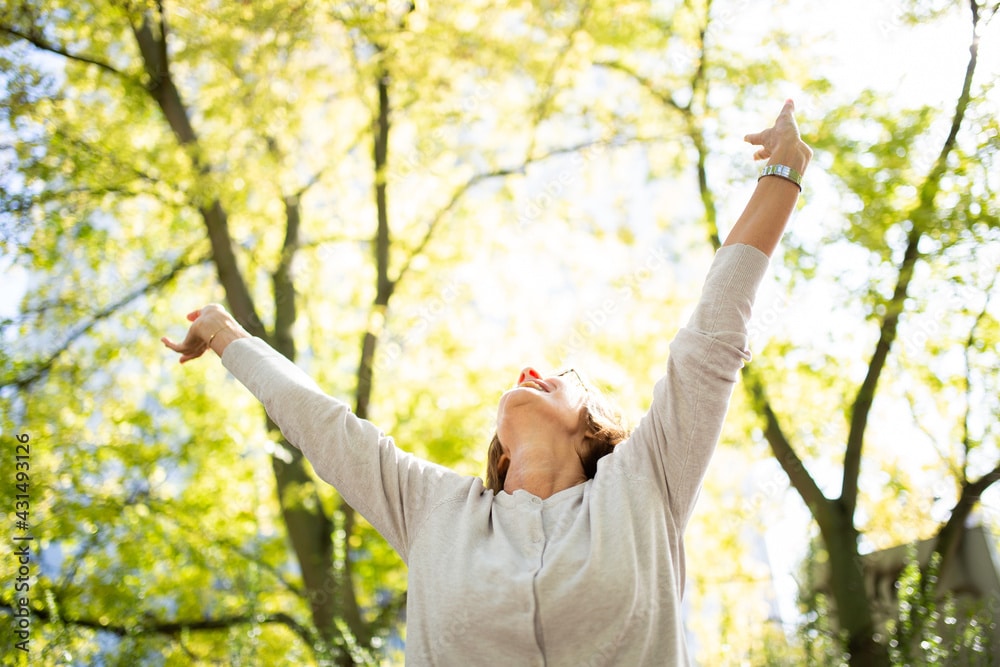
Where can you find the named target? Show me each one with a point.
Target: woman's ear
(591, 427)
(503, 463)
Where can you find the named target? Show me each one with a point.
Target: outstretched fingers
(192, 346)
(205, 323)
(784, 127)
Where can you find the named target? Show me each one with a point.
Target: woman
(576, 555)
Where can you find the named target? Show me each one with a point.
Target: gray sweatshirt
(592, 575)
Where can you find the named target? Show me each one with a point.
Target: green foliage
(931, 630)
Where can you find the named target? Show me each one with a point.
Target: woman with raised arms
(571, 553)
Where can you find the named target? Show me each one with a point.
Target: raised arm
(391, 488)
(677, 436)
(769, 209)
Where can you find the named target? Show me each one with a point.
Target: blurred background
(414, 201)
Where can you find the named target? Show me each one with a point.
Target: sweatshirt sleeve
(391, 488)
(675, 440)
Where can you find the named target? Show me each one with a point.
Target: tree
(221, 140)
(916, 219)
(910, 213)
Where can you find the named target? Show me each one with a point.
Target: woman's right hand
(211, 327)
(782, 142)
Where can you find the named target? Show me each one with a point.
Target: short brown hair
(605, 428)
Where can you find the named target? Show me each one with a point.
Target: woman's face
(554, 404)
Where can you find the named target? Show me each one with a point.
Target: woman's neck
(542, 470)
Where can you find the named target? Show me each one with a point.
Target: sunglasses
(571, 373)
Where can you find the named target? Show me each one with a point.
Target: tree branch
(967, 441)
(953, 467)
(541, 109)
(696, 131)
(949, 538)
(281, 280)
(692, 121)
(644, 82)
(173, 629)
(153, 48)
(921, 217)
(307, 524)
(24, 381)
(865, 397)
(36, 40)
(783, 451)
(196, 531)
(384, 285)
(464, 188)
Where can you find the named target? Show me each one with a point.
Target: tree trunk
(847, 585)
(153, 47)
(309, 529)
